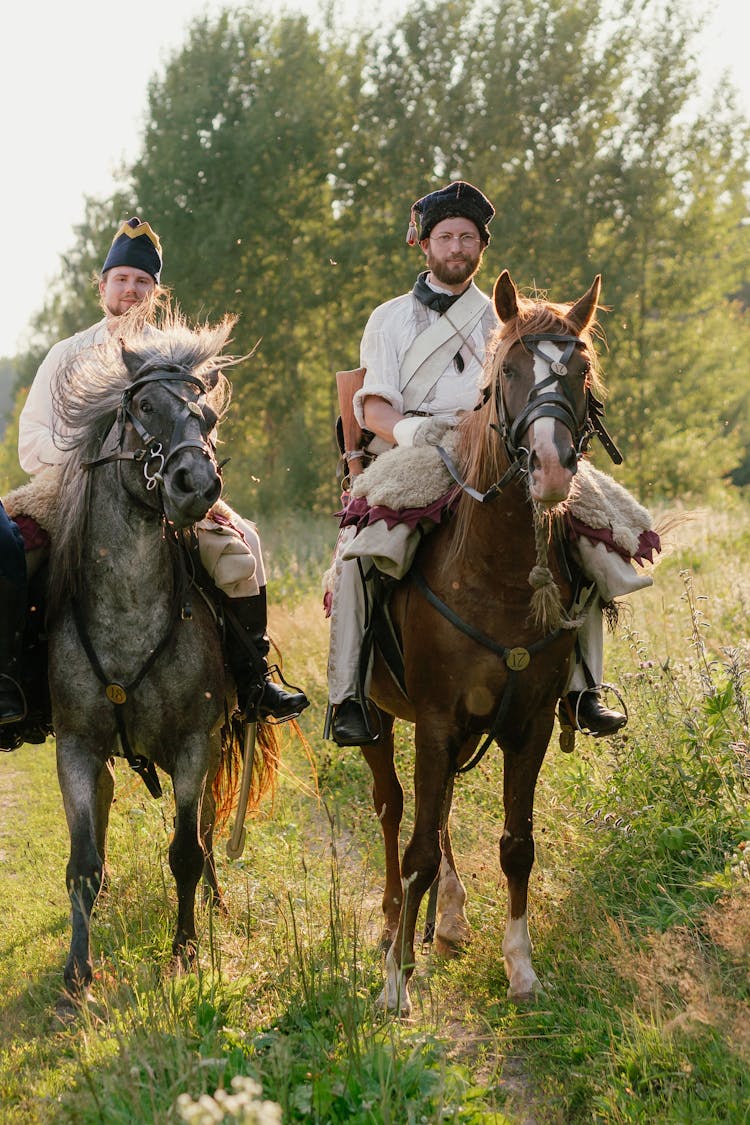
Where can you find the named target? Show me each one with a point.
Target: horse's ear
(131, 361)
(584, 310)
(505, 297)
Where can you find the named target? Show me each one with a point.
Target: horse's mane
(86, 394)
(480, 451)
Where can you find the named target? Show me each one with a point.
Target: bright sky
(74, 109)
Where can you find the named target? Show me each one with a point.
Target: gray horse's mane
(86, 395)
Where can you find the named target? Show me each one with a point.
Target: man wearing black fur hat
(230, 548)
(423, 353)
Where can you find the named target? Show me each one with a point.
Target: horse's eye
(507, 370)
(145, 406)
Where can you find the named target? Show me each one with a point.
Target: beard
(456, 270)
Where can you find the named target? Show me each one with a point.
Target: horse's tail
(265, 766)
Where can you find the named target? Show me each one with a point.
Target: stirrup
(568, 730)
(17, 718)
(275, 671)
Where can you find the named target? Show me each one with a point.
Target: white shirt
(387, 336)
(37, 427)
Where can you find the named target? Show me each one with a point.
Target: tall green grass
(640, 912)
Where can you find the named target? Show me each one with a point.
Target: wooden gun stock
(347, 384)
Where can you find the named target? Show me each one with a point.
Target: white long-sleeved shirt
(37, 427)
(388, 334)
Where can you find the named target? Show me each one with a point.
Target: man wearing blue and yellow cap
(130, 274)
(230, 548)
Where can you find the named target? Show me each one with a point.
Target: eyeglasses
(465, 241)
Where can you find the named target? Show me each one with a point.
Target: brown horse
(474, 660)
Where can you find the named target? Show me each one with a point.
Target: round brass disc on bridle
(518, 659)
(115, 693)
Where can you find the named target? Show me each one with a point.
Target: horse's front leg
(388, 802)
(186, 853)
(521, 770)
(421, 861)
(84, 795)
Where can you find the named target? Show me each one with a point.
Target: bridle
(541, 403)
(151, 454)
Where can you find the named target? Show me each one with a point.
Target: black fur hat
(136, 245)
(457, 200)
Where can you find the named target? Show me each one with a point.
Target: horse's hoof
(69, 1006)
(402, 1013)
(449, 949)
(452, 940)
(527, 995)
(66, 1010)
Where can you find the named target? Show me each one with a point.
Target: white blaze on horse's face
(552, 456)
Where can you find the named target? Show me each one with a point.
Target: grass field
(640, 912)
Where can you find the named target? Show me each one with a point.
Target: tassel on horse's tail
(547, 611)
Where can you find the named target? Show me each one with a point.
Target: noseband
(546, 404)
(151, 454)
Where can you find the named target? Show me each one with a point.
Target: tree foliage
(279, 162)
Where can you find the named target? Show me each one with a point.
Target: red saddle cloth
(32, 533)
(358, 513)
(648, 540)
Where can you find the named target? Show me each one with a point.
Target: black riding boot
(257, 693)
(585, 711)
(12, 618)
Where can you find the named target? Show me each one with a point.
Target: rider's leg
(12, 618)
(581, 705)
(232, 555)
(348, 612)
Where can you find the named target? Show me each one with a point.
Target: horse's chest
(169, 674)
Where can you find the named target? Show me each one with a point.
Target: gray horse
(134, 650)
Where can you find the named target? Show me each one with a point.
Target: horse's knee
(186, 861)
(516, 855)
(419, 869)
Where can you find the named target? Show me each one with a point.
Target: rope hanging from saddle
(547, 611)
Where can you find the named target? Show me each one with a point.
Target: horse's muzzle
(190, 488)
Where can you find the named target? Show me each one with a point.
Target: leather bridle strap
(493, 491)
(117, 694)
(501, 650)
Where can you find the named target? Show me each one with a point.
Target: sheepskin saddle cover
(415, 477)
(38, 498)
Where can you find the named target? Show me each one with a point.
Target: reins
(154, 461)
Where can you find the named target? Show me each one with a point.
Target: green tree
(236, 169)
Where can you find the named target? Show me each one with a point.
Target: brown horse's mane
(480, 452)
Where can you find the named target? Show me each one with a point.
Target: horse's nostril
(571, 460)
(213, 492)
(182, 481)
